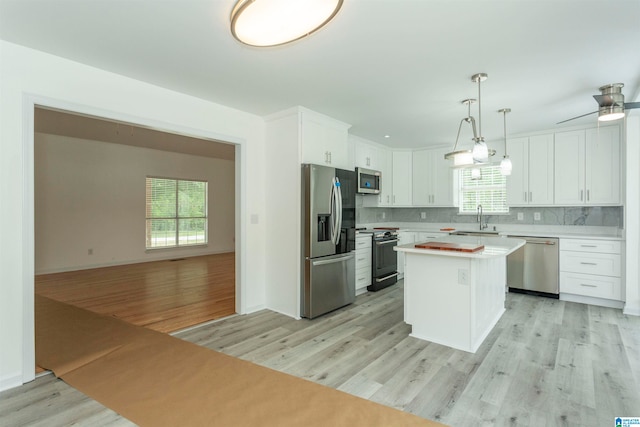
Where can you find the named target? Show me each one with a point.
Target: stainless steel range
(384, 260)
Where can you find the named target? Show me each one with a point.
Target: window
(490, 191)
(176, 212)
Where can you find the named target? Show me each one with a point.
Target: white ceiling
(397, 67)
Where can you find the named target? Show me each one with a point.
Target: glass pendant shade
(505, 166)
(265, 23)
(476, 173)
(463, 158)
(480, 152)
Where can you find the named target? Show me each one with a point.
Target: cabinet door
(541, 170)
(442, 183)
(422, 178)
(518, 181)
(366, 155)
(569, 168)
(324, 142)
(385, 161)
(603, 165)
(402, 176)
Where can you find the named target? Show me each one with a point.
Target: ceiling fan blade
(576, 117)
(631, 105)
(609, 100)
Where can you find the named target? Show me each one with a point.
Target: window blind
(490, 191)
(176, 212)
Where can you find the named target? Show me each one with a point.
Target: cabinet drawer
(590, 263)
(591, 286)
(583, 245)
(363, 242)
(363, 278)
(363, 259)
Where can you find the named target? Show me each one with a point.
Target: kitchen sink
(476, 233)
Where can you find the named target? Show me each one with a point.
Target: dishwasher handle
(537, 242)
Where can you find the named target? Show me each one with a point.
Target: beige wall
(91, 195)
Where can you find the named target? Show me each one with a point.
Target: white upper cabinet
(324, 140)
(402, 178)
(603, 169)
(587, 167)
(432, 178)
(366, 154)
(532, 177)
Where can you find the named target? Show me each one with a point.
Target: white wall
(29, 77)
(632, 214)
(91, 195)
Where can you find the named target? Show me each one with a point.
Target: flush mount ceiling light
(265, 23)
(480, 153)
(505, 165)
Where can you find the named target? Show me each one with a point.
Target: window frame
(488, 208)
(177, 218)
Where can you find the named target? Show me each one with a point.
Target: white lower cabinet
(363, 262)
(404, 238)
(591, 269)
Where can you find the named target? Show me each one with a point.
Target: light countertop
(493, 247)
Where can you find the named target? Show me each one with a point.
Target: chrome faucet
(479, 218)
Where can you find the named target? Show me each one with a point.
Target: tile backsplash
(611, 216)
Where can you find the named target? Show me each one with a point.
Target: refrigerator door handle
(332, 260)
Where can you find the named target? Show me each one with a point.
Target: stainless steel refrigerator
(328, 239)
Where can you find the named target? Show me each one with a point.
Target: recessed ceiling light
(265, 23)
(387, 136)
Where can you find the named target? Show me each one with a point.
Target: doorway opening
(90, 207)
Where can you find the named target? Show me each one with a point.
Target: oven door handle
(382, 279)
(386, 242)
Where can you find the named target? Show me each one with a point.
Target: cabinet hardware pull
(530, 196)
(588, 246)
(588, 195)
(525, 196)
(581, 195)
(588, 286)
(589, 263)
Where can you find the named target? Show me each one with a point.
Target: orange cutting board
(445, 246)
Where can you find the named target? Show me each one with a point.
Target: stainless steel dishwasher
(533, 269)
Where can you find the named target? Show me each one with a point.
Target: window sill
(172, 248)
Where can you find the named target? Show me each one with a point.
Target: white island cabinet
(456, 298)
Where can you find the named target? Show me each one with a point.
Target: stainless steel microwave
(368, 181)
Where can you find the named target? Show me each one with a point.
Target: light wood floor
(162, 295)
(547, 363)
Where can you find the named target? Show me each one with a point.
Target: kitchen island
(453, 297)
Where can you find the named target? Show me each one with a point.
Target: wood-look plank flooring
(165, 296)
(546, 363)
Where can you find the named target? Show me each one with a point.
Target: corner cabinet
(432, 179)
(587, 167)
(532, 180)
(324, 141)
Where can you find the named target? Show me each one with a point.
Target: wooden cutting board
(446, 246)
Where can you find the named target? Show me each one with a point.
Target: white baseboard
(10, 381)
(592, 301)
(631, 310)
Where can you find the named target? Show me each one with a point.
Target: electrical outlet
(536, 216)
(90, 251)
(384, 215)
(520, 216)
(463, 276)
(423, 215)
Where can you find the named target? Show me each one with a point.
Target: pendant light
(505, 165)
(480, 153)
(264, 23)
(476, 174)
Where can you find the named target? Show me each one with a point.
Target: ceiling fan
(611, 104)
